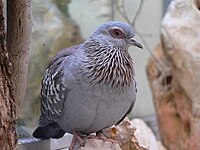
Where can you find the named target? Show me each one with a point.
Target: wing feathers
(54, 92)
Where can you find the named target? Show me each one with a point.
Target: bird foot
(77, 137)
(101, 136)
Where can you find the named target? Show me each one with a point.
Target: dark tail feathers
(51, 130)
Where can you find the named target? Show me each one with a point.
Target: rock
(174, 74)
(144, 135)
(126, 137)
(95, 144)
(124, 133)
(160, 146)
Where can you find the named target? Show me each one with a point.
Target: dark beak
(133, 42)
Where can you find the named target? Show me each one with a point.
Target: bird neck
(107, 65)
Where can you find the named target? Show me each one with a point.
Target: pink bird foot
(77, 137)
(100, 136)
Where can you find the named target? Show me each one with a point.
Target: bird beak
(133, 42)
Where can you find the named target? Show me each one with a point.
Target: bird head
(117, 34)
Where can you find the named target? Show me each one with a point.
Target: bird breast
(107, 65)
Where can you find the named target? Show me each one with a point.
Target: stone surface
(130, 135)
(174, 74)
(94, 144)
(144, 135)
(124, 133)
(161, 146)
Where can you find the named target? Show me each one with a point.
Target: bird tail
(51, 130)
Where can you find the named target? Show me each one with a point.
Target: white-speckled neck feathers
(107, 65)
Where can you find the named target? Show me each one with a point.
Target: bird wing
(53, 91)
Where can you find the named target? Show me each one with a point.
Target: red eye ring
(117, 33)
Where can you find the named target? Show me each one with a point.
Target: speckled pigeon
(89, 87)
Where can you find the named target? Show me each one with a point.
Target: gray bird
(89, 87)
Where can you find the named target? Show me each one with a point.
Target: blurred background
(63, 23)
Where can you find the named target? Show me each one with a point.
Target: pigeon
(89, 87)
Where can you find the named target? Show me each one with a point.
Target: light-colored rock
(144, 134)
(124, 133)
(174, 76)
(161, 146)
(94, 144)
(124, 137)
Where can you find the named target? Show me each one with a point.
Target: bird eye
(117, 33)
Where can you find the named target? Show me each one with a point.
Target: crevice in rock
(167, 81)
(197, 2)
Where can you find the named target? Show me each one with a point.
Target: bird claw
(77, 137)
(101, 136)
(104, 138)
